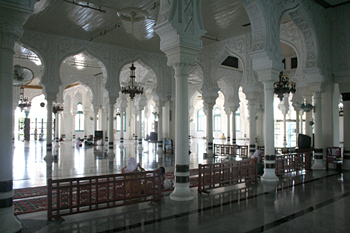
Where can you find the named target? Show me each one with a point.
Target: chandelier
(57, 108)
(132, 87)
(283, 86)
(23, 103)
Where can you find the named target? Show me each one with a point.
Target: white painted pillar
(318, 148)
(121, 145)
(228, 137)
(252, 126)
(160, 130)
(139, 130)
(8, 221)
(234, 140)
(270, 157)
(208, 109)
(57, 127)
(346, 127)
(73, 126)
(308, 127)
(301, 112)
(111, 153)
(182, 191)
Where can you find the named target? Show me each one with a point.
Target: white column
(182, 191)
(260, 124)
(228, 126)
(318, 148)
(234, 127)
(252, 126)
(346, 127)
(139, 130)
(121, 145)
(111, 153)
(73, 126)
(160, 130)
(8, 221)
(301, 112)
(308, 127)
(269, 171)
(208, 109)
(56, 127)
(95, 119)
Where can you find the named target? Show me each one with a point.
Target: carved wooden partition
(293, 162)
(231, 150)
(218, 175)
(79, 195)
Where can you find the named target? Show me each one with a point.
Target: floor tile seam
(196, 211)
(299, 213)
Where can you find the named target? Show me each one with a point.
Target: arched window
(217, 119)
(200, 120)
(124, 122)
(79, 118)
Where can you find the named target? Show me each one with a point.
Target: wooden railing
(79, 195)
(293, 162)
(218, 175)
(231, 150)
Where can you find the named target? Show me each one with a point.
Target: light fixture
(132, 88)
(57, 108)
(283, 86)
(23, 103)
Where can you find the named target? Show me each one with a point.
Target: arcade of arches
(206, 79)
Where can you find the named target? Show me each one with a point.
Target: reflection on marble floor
(70, 160)
(311, 201)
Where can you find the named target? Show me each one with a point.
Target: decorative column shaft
(318, 148)
(182, 191)
(160, 130)
(121, 128)
(270, 157)
(228, 138)
(308, 126)
(234, 142)
(110, 129)
(346, 127)
(56, 127)
(208, 108)
(252, 126)
(139, 130)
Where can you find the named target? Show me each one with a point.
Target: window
(231, 62)
(124, 122)
(217, 119)
(79, 118)
(200, 120)
(294, 62)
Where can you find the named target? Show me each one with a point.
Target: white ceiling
(221, 18)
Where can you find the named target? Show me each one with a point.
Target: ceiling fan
(22, 75)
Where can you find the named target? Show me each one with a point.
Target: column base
(159, 151)
(182, 192)
(209, 154)
(269, 175)
(346, 164)
(111, 154)
(318, 165)
(10, 223)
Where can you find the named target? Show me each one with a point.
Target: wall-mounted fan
(22, 75)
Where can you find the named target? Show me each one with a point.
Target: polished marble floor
(313, 201)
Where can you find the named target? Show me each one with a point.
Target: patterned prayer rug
(29, 192)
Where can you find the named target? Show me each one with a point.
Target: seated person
(133, 187)
(166, 183)
(132, 166)
(257, 155)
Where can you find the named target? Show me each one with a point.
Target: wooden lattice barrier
(79, 195)
(218, 175)
(231, 150)
(293, 162)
